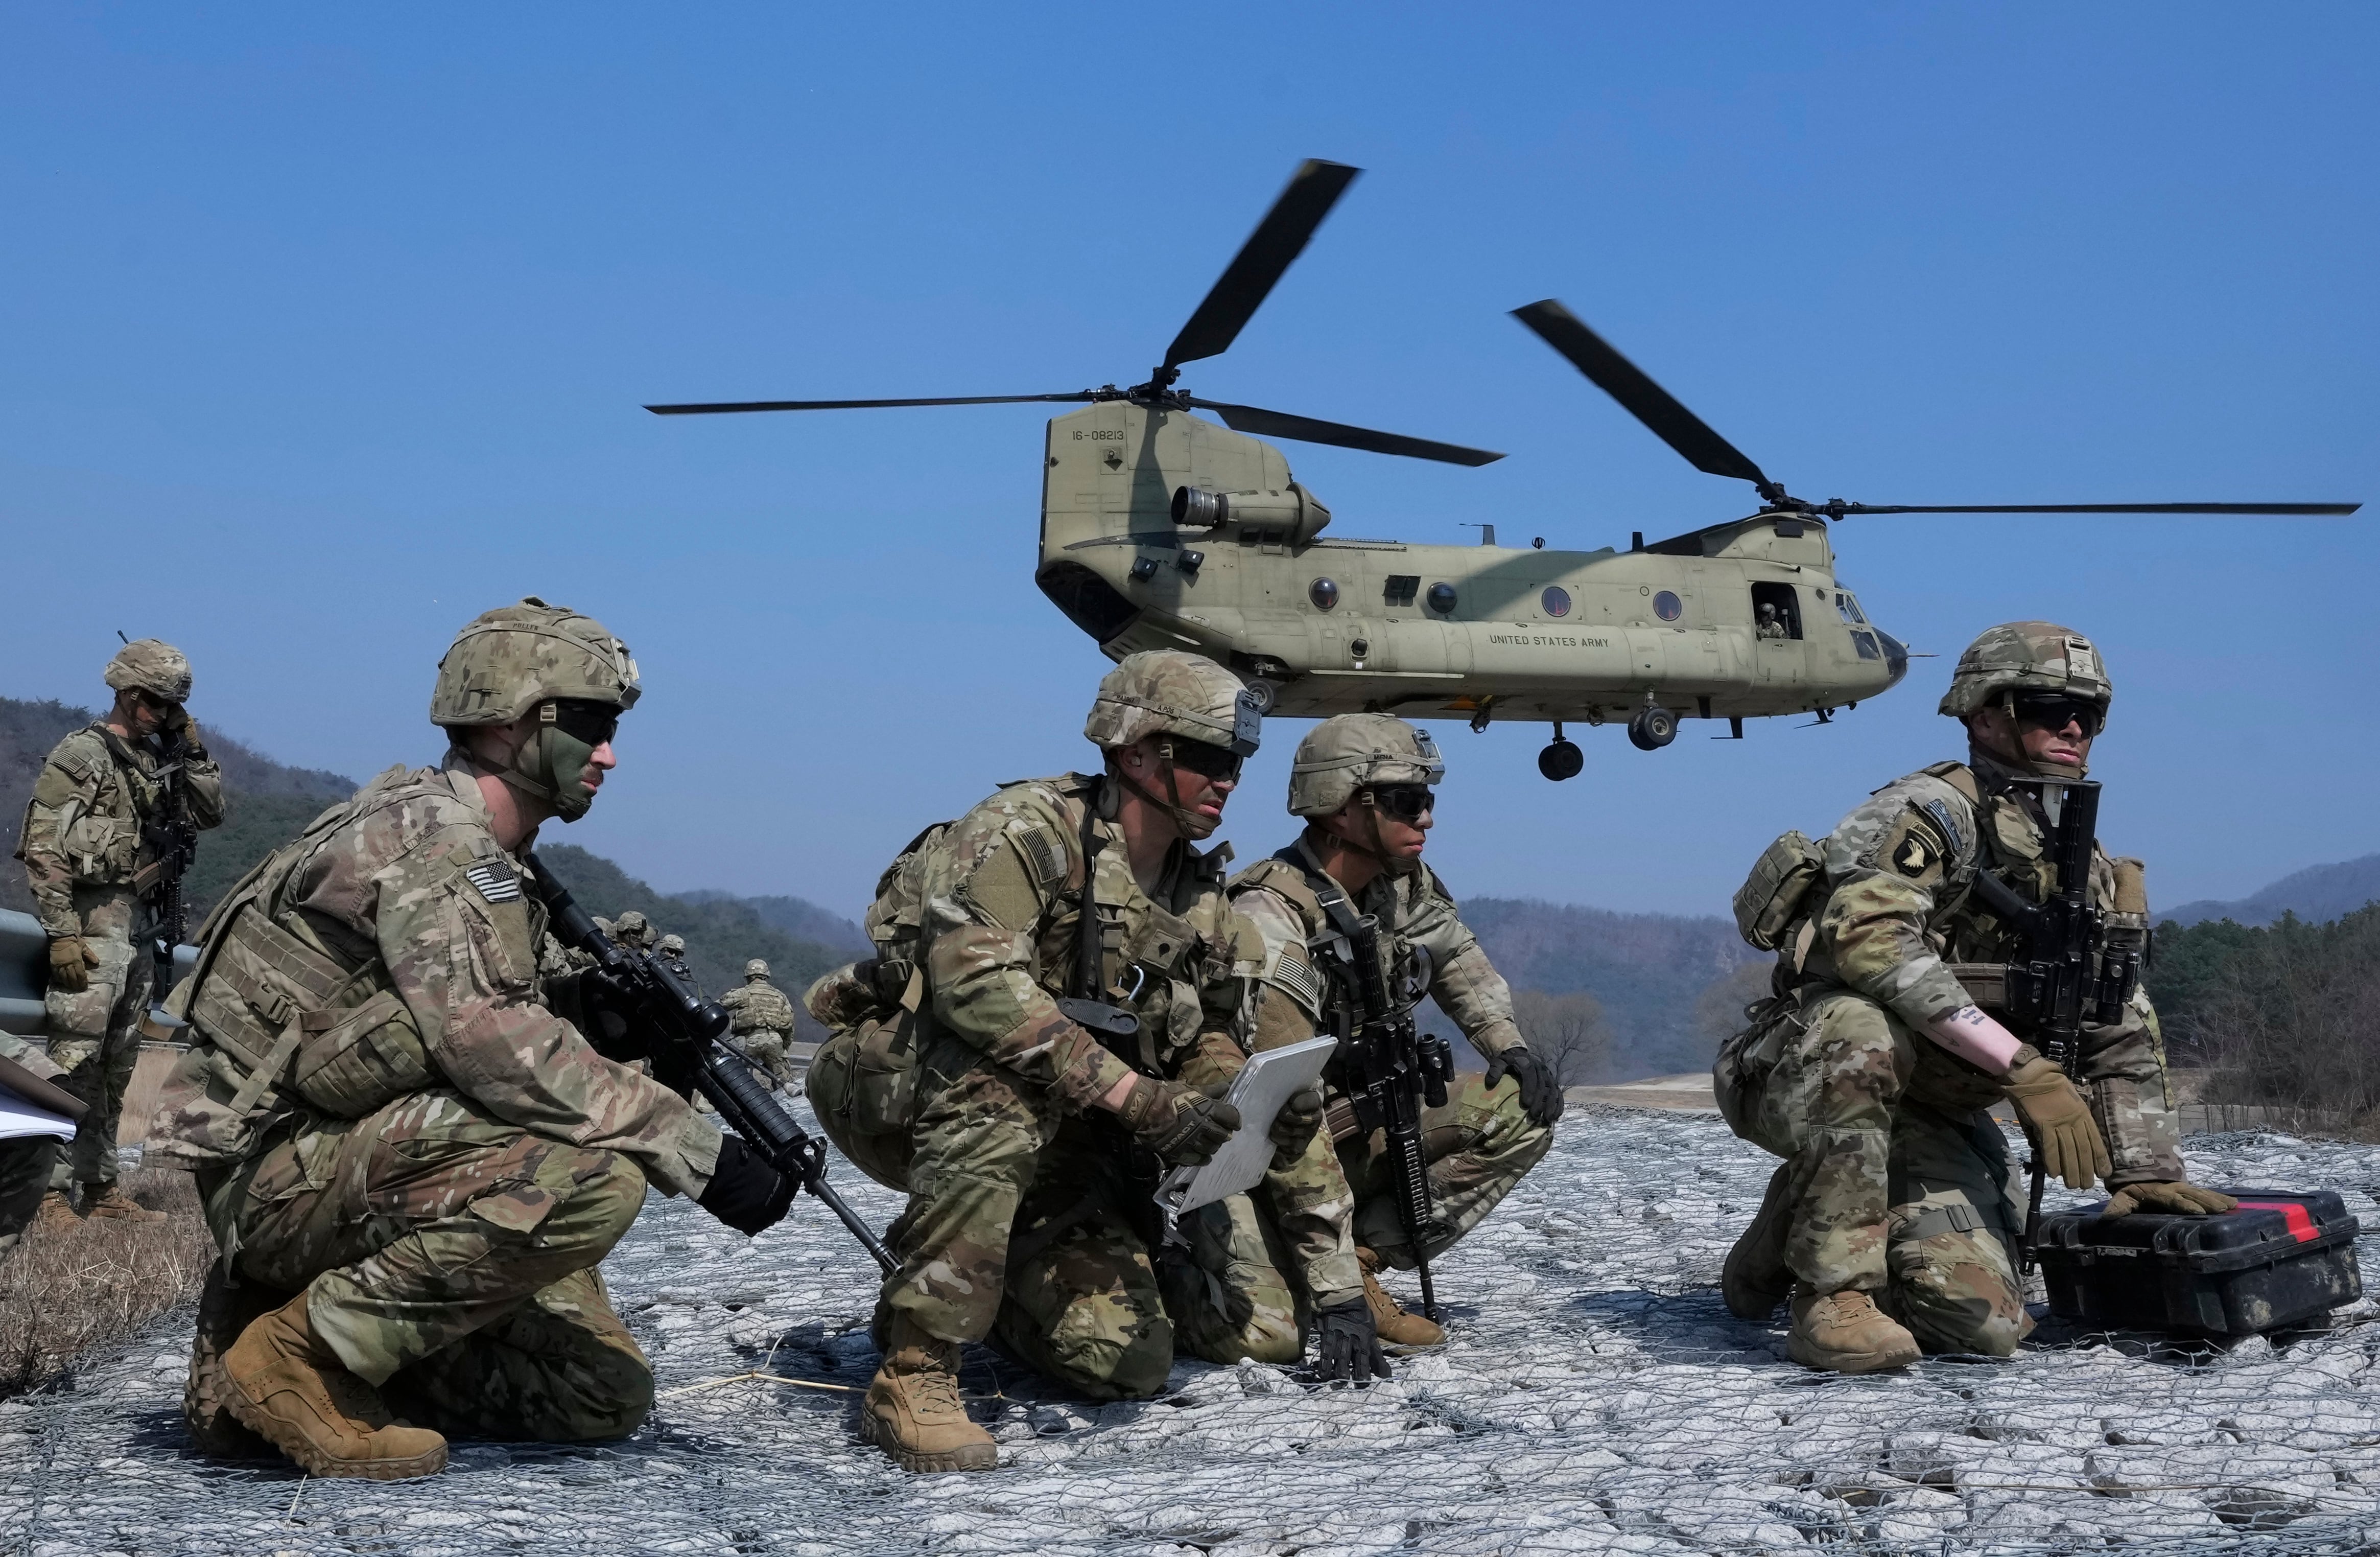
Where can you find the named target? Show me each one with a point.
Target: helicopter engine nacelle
(1296, 512)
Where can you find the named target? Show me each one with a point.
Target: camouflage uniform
(1299, 1248)
(90, 867)
(383, 1110)
(762, 1020)
(1899, 1183)
(1007, 1140)
(24, 1162)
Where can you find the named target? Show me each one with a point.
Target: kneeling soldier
(1061, 951)
(1362, 782)
(1896, 1218)
(388, 1120)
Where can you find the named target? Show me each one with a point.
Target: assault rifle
(1388, 1071)
(2068, 974)
(683, 1034)
(172, 840)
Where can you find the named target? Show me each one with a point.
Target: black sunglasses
(2056, 714)
(1406, 802)
(1207, 761)
(584, 719)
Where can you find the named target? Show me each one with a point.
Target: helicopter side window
(1776, 612)
(1848, 609)
(1401, 590)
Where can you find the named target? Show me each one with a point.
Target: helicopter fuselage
(1138, 552)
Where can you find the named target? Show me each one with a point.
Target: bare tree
(1567, 1031)
(2293, 1019)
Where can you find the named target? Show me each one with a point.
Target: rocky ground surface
(1594, 1397)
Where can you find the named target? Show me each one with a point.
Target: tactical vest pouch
(352, 1062)
(863, 1084)
(1771, 897)
(1746, 1059)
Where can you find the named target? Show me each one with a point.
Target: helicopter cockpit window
(1401, 590)
(1848, 609)
(1776, 612)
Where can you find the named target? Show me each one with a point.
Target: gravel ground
(1594, 1397)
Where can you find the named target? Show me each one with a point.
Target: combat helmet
(2018, 657)
(756, 968)
(671, 947)
(517, 658)
(1354, 751)
(1166, 691)
(150, 665)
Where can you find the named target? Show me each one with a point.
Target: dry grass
(67, 1290)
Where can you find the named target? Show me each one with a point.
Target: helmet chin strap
(1189, 823)
(2041, 767)
(1376, 851)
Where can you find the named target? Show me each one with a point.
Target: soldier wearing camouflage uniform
(1027, 1213)
(389, 1118)
(761, 1019)
(1896, 1216)
(633, 930)
(97, 846)
(1362, 782)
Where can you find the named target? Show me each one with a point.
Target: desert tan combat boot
(1394, 1326)
(225, 1312)
(1754, 1280)
(55, 1215)
(1845, 1333)
(291, 1389)
(112, 1202)
(912, 1411)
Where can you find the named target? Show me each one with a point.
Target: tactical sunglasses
(1406, 802)
(1207, 761)
(583, 719)
(2056, 714)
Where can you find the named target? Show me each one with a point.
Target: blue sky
(326, 328)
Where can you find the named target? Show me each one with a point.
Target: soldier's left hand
(1347, 1344)
(1541, 1095)
(1293, 1127)
(2176, 1196)
(745, 1192)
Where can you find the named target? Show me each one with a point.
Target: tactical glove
(745, 1192)
(70, 964)
(2057, 1120)
(1293, 1127)
(1186, 1125)
(1541, 1096)
(2178, 1196)
(1346, 1345)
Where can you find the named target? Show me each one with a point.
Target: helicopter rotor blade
(1257, 267)
(1280, 424)
(714, 407)
(1643, 399)
(2301, 510)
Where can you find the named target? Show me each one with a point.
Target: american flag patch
(494, 879)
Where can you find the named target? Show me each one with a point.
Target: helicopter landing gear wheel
(1652, 729)
(1561, 758)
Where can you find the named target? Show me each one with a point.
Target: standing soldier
(1894, 1220)
(111, 828)
(1362, 782)
(387, 1119)
(762, 1020)
(1028, 1209)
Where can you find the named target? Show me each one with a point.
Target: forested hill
(266, 803)
(2315, 893)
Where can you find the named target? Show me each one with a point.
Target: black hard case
(2283, 1258)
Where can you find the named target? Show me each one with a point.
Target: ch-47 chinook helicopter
(1161, 530)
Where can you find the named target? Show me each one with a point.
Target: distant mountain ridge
(2317, 893)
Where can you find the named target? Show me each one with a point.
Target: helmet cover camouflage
(1353, 751)
(2026, 657)
(672, 947)
(509, 659)
(632, 928)
(1166, 691)
(152, 665)
(756, 968)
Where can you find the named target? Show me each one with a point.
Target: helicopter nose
(1896, 657)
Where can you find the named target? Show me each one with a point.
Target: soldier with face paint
(411, 1160)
